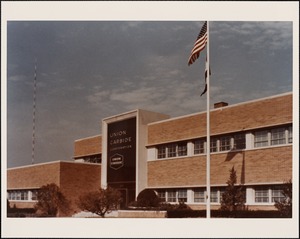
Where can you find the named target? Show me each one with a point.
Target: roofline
(229, 106)
(121, 114)
(52, 162)
(89, 137)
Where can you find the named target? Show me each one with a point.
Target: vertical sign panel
(121, 151)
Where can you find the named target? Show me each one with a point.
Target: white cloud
(255, 35)
(16, 78)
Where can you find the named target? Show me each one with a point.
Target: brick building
(74, 179)
(141, 149)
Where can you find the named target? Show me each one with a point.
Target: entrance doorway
(124, 196)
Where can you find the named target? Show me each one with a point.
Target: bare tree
(101, 201)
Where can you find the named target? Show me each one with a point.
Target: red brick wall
(74, 179)
(272, 111)
(77, 179)
(88, 146)
(253, 166)
(33, 176)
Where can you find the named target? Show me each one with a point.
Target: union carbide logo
(116, 161)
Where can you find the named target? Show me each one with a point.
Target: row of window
(275, 136)
(262, 138)
(181, 195)
(267, 195)
(22, 195)
(172, 150)
(198, 195)
(97, 158)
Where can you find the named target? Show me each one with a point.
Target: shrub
(285, 207)
(51, 200)
(234, 197)
(223, 214)
(148, 198)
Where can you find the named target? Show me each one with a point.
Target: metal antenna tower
(34, 107)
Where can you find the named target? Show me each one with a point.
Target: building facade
(73, 179)
(141, 149)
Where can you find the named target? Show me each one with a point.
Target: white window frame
(274, 136)
(261, 138)
(237, 139)
(278, 136)
(214, 144)
(170, 195)
(199, 146)
(199, 195)
(225, 143)
(182, 195)
(161, 151)
(162, 195)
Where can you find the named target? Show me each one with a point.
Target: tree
(148, 198)
(234, 197)
(285, 206)
(101, 201)
(51, 201)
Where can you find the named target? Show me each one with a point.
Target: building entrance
(121, 158)
(127, 191)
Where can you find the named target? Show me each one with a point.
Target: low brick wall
(141, 214)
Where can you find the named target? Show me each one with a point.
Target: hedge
(20, 212)
(225, 214)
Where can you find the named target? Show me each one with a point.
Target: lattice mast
(34, 112)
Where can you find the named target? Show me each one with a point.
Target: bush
(20, 212)
(51, 201)
(148, 198)
(223, 214)
(185, 213)
(285, 207)
(234, 197)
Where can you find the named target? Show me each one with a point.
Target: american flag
(199, 44)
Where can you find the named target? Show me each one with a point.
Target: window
(171, 150)
(161, 152)
(278, 136)
(261, 195)
(261, 138)
(274, 136)
(172, 196)
(239, 141)
(92, 158)
(24, 195)
(277, 195)
(290, 135)
(199, 195)
(162, 195)
(34, 194)
(182, 195)
(222, 191)
(199, 147)
(18, 195)
(225, 143)
(213, 145)
(182, 149)
(214, 196)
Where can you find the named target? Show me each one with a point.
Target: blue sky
(89, 70)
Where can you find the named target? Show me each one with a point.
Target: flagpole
(208, 132)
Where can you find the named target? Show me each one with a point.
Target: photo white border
(147, 10)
